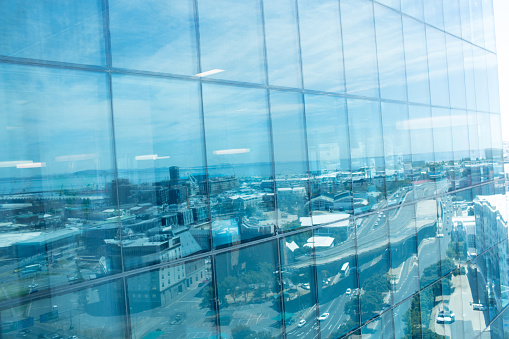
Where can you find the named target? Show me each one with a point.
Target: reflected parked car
(478, 307)
(446, 317)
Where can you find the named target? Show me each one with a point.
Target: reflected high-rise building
(251, 169)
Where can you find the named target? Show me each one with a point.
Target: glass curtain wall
(251, 169)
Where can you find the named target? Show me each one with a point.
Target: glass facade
(251, 169)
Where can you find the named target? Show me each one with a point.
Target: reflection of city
(69, 237)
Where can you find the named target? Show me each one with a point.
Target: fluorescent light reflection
(14, 163)
(212, 71)
(32, 165)
(232, 151)
(150, 157)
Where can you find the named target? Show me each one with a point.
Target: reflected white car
(302, 323)
(478, 307)
(324, 316)
(348, 291)
(446, 317)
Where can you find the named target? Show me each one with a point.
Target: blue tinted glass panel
(396, 4)
(473, 309)
(433, 13)
(503, 249)
(299, 284)
(428, 242)
(437, 61)
(173, 301)
(374, 266)
(98, 311)
(329, 158)
(423, 157)
(398, 153)
(469, 76)
(282, 39)
(359, 48)
(448, 316)
(290, 158)
(231, 40)
(485, 146)
(452, 17)
(238, 158)
(414, 8)
(461, 147)
(493, 84)
(429, 298)
(449, 245)
(380, 328)
(56, 168)
(497, 146)
(442, 139)
(476, 22)
(481, 80)
(456, 71)
(489, 25)
(466, 30)
(322, 57)
(161, 169)
(416, 61)
(407, 318)
(338, 290)
(391, 58)
(464, 220)
(367, 150)
(63, 32)
(482, 290)
(161, 37)
(248, 286)
(492, 276)
(473, 137)
(404, 260)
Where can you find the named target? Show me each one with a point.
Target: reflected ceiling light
(151, 157)
(32, 165)
(75, 157)
(146, 157)
(232, 151)
(213, 71)
(14, 163)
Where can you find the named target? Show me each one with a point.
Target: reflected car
(440, 235)
(478, 307)
(348, 291)
(306, 286)
(324, 316)
(302, 323)
(33, 285)
(446, 317)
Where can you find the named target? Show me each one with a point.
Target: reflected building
(251, 169)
